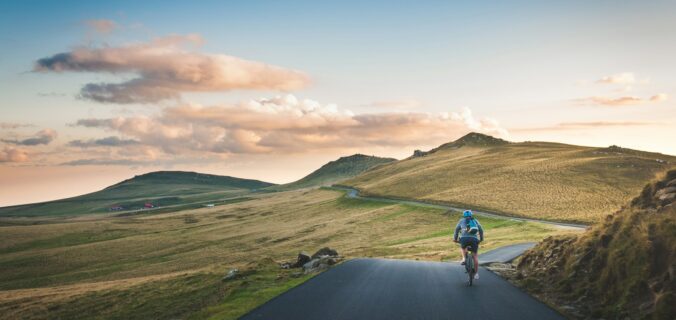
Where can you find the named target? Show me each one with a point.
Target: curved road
(354, 193)
(403, 289)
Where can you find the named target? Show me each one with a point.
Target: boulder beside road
(320, 260)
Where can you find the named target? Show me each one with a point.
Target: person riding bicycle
(472, 234)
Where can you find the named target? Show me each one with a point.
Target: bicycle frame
(469, 266)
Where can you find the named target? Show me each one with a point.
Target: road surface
(403, 289)
(504, 254)
(354, 193)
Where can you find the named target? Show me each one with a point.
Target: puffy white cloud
(165, 69)
(286, 124)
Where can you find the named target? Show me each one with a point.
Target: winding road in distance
(354, 193)
(403, 289)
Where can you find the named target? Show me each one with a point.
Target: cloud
(14, 125)
(103, 142)
(565, 126)
(622, 101)
(286, 124)
(660, 97)
(620, 78)
(10, 154)
(165, 69)
(44, 136)
(104, 162)
(102, 26)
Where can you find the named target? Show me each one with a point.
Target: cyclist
(472, 234)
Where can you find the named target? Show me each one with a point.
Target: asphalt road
(354, 193)
(403, 289)
(504, 254)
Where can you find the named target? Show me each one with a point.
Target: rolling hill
(533, 179)
(161, 188)
(335, 171)
(622, 268)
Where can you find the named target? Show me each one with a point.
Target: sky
(95, 92)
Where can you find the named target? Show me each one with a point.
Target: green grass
(335, 171)
(530, 179)
(68, 239)
(623, 267)
(141, 266)
(185, 190)
(244, 295)
(435, 234)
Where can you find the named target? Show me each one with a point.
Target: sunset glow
(94, 93)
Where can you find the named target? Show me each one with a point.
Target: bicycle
(469, 266)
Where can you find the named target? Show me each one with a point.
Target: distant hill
(621, 268)
(161, 188)
(335, 171)
(534, 179)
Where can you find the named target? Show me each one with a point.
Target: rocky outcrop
(326, 251)
(320, 260)
(419, 153)
(623, 268)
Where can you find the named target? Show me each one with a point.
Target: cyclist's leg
(475, 249)
(463, 248)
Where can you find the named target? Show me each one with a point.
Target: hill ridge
(336, 170)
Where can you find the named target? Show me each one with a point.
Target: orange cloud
(10, 154)
(288, 125)
(165, 69)
(623, 101)
(102, 26)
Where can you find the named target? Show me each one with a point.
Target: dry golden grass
(87, 264)
(532, 179)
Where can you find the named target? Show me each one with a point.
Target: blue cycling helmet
(467, 213)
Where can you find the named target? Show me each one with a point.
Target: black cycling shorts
(471, 243)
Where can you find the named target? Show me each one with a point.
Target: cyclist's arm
(457, 230)
(481, 231)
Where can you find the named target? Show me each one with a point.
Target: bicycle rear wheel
(469, 265)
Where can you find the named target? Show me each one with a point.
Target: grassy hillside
(335, 171)
(622, 268)
(162, 188)
(170, 265)
(532, 179)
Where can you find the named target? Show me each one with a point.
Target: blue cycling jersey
(461, 229)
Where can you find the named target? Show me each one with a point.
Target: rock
(671, 183)
(232, 274)
(668, 197)
(665, 191)
(326, 251)
(419, 153)
(301, 260)
(311, 264)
